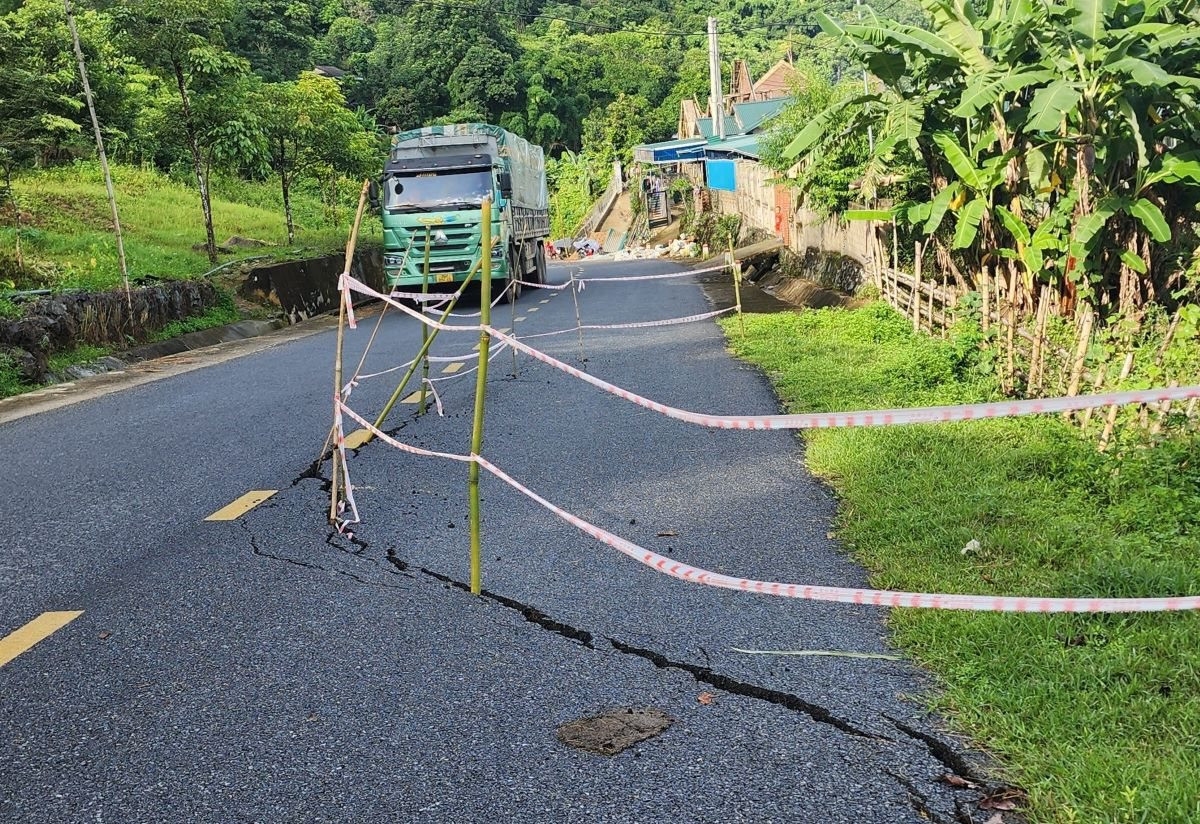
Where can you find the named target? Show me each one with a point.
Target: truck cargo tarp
(525, 161)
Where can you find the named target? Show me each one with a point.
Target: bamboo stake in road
(424, 328)
(485, 340)
(578, 319)
(736, 266)
(341, 339)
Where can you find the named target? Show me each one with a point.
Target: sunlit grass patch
(1097, 717)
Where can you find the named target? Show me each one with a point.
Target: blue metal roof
(670, 151)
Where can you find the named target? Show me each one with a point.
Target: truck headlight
(393, 260)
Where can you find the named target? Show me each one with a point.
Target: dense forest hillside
(303, 92)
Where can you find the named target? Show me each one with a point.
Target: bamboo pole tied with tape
(485, 340)
(341, 340)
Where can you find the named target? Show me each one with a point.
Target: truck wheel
(539, 264)
(512, 289)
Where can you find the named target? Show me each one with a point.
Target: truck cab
(431, 191)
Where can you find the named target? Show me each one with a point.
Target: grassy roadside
(1098, 718)
(67, 242)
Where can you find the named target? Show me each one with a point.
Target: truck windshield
(430, 192)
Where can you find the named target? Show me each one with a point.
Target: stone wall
(60, 322)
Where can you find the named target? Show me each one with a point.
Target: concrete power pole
(716, 100)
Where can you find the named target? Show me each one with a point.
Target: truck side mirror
(505, 180)
(373, 194)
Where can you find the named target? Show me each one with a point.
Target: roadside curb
(154, 362)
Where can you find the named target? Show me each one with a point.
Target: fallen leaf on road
(706, 698)
(668, 534)
(104, 636)
(957, 781)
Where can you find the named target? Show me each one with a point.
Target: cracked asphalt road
(269, 670)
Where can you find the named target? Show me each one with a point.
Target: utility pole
(715, 86)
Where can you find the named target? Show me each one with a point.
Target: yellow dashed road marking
(520, 318)
(451, 368)
(533, 308)
(547, 300)
(415, 397)
(242, 505)
(38, 629)
(357, 438)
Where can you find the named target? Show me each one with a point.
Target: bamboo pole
(1111, 421)
(485, 318)
(1081, 348)
(387, 407)
(108, 184)
(424, 328)
(736, 267)
(985, 292)
(1163, 411)
(335, 485)
(1097, 382)
(915, 303)
(1036, 356)
(578, 318)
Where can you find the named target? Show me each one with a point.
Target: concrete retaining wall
(304, 288)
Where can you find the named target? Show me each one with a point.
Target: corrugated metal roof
(670, 151)
(745, 145)
(755, 113)
(705, 124)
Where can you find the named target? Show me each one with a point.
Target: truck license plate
(445, 278)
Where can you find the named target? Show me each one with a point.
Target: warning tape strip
(847, 595)
(388, 439)
(641, 325)
(878, 417)
(822, 420)
(623, 278)
(841, 595)
(350, 283)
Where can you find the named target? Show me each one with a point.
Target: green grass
(83, 353)
(223, 313)
(68, 244)
(1098, 718)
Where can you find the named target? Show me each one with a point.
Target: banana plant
(1061, 136)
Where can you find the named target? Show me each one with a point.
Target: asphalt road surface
(268, 669)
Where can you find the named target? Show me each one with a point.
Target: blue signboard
(721, 175)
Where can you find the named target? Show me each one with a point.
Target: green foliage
(1072, 158)
(1094, 716)
(225, 312)
(68, 244)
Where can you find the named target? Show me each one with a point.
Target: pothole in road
(614, 731)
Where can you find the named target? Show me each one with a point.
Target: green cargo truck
(434, 182)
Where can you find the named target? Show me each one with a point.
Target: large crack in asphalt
(704, 675)
(939, 749)
(790, 701)
(262, 553)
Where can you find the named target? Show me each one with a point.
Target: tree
(277, 37)
(308, 132)
(183, 38)
(483, 81)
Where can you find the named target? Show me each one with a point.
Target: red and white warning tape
(641, 325)
(823, 420)
(841, 595)
(879, 417)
